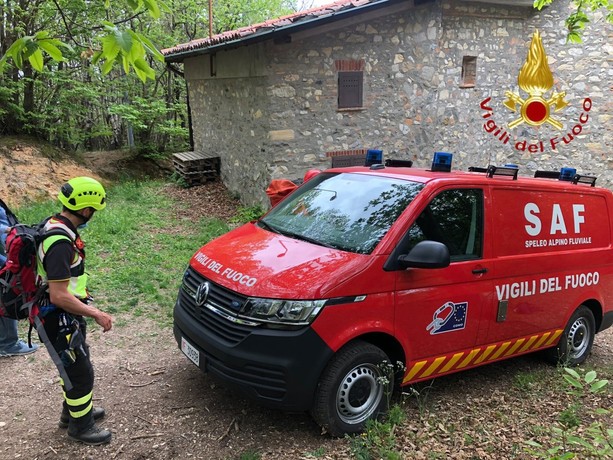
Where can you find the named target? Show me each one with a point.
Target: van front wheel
(353, 389)
(576, 340)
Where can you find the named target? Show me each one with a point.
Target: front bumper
(278, 368)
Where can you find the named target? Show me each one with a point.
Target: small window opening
(213, 64)
(469, 72)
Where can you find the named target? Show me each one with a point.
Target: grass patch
(135, 261)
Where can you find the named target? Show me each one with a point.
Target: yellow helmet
(83, 192)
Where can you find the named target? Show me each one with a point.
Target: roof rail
(477, 169)
(579, 179)
(547, 174)
(502, 171)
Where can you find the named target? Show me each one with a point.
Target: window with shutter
(350, 86)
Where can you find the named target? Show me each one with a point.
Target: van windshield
(351, 212)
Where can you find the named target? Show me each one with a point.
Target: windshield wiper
(267, 226)
(306, 238)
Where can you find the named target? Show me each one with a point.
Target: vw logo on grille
(202, 293)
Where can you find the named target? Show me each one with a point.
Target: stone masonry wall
(282, 121)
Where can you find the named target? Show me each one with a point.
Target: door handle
(479, 271)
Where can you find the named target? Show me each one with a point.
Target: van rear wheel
(577, 339)
(353, 389)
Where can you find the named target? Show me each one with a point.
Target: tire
(353, 388)
(576, 341)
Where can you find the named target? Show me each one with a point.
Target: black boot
(93, 436)
(97, 413)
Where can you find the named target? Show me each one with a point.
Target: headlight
(294, 312)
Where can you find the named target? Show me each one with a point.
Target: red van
(439, 271)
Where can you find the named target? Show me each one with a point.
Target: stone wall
(274, 115)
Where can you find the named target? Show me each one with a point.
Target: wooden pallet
(196, 167)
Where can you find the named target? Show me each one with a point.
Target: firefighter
(62, 328)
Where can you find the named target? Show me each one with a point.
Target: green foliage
(524, 381)
(317, 453)
(86, 75)
(229, 15)
(588, 383)
(379, 439)
(247, 214)
(151, 120)
(250, 455)
(570, 439)
(115, 43)
(577, 20)
(569, 417)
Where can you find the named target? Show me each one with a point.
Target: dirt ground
(160, 406)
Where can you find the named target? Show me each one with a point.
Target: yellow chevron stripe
(490, 353)
(528, 344)
(469, 358)
(500, 350)
(434, 366)
(485, 354)
(454, 359)
(554, 337)
(515, 346)
(414, 370)
(542, 340)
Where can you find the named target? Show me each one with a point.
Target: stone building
(407, 77)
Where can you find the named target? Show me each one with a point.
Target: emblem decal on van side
(449, 317)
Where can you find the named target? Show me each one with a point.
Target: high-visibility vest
(78, 278)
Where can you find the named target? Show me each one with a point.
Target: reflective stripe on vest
(78, 278)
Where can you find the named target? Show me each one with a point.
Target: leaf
(533, 443)
(590, 377)
(126, 63)
(599, 385)
(142, 65)
(573, 382)
(137, 51)
(41, 35)
(572, 372)
(142, 76)
(110, 46)
(96, 57)
(36, 60)
(149, 46)
(152, 6)
(124, 39)
(52, 50)
(15, 51)
(164, 7)
(107, 66)
(132, 4)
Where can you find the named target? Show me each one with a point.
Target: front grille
(219, 299)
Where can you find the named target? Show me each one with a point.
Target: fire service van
(436, 269)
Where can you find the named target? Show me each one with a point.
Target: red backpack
(20, 294)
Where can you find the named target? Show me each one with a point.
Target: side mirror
(426, 254)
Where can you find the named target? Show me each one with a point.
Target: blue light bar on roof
(567, 173)
(442, 161)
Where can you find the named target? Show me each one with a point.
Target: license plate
(191, 352)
